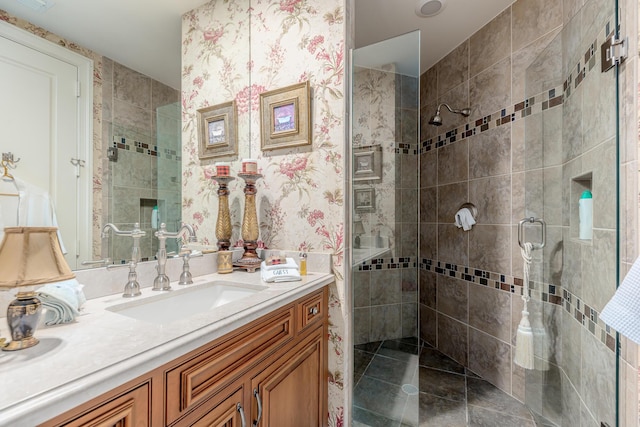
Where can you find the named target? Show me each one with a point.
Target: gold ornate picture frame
(217, 131)
(285, 117)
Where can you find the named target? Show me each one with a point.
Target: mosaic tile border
(130, 144)
(587, 316)
(534, 105)
(530, 106)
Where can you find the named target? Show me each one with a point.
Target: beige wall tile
(490, 91)
(450, 198)
(453, 69)
(453, 298)
(490, 358)
(490, 311)
(453, 163)
(453, 339)
(492, 197)
(491, 43)
(490, 152)
(490, 248)
(533, 19)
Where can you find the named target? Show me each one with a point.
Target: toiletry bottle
(154, 218)
(585, 211)
(303, 264)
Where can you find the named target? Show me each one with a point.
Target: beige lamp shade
(31, 256)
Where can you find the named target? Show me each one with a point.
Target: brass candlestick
(250, 259)
(223, 223)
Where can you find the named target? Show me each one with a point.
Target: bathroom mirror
(141, 165)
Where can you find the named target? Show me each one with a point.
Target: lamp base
(23, 315)
(21, 344)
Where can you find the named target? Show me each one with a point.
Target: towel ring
(472, 208)
(543, 231)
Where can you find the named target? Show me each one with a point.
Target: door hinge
(613, 52)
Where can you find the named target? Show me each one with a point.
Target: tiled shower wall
(147, 135)
(470, 283)
(385, 289)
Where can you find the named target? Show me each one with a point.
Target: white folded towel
(622, 312)
(464, 219)
(61, 301)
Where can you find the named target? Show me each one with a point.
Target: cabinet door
(228, 413)
(292, 393)
(130, 409)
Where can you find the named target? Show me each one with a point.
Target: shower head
(436, 120)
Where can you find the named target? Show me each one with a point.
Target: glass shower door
(385, 108)
(570, 119)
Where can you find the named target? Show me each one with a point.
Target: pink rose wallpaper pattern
(235, 51)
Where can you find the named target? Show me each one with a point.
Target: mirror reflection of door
(41, 126)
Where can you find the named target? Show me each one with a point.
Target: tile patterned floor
(402, 383)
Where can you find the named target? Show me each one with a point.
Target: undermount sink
(169, 307)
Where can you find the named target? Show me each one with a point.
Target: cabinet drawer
(131, 408)
(312, 310)
(224, 360)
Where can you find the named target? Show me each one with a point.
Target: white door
(39, 124)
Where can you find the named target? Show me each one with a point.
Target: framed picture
(217, 131)
(285, 117)
(367, 163)
(365, 199)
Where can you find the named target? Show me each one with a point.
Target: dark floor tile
(361, 360)
(356, 378)
(409, 340)
(391, 370)
(370, 347)
(364, 418)
(378, 396)
(400, 350)
(432, 358)
(486, 418)
(442, 384)
(431, 411)
(483, 394)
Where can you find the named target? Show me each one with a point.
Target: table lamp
(29, 256)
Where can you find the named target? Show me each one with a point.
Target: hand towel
(622, 312)
(61, 301)
(464, 219)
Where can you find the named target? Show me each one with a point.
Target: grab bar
(532, 220)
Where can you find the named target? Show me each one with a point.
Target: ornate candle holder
(250, 259)
(223, 223)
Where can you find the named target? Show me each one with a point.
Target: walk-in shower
(436, 119)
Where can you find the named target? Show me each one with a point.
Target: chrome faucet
(162, 282)
(132, 288)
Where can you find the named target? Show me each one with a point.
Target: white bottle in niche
(155, 218)
(585, 210)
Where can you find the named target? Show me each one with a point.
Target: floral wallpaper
(300, 199)
(374, 124)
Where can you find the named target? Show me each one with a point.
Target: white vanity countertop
(76, 362)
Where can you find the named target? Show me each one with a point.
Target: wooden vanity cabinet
(272, 370)
(280, 368)
(127, 406)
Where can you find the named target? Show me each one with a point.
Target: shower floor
(402, 383)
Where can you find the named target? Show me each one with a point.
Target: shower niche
(581, 213)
